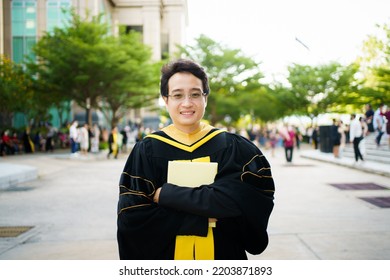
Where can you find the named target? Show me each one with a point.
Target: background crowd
(82, 139)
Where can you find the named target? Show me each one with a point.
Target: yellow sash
(191, 247)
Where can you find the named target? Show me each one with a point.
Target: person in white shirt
(355, 136)
(73, 137)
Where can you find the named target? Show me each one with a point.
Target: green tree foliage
(133, 78)
(375, 66)
(15, 93)
(234, 81)
(382, 71)
(84, 63)
(321, 89)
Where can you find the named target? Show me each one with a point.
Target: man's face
(187, 113)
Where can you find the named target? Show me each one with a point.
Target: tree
(234, 79)
(134, 82)
(83, 62)
(375, 66)
(321, 89)
(15, 93)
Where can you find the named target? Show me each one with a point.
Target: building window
(126, 29)
(137, 28)
(24, 28)
(58, 14)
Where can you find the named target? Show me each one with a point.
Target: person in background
(124, 133)
(379, 124)
(355, 136)
(95, 138)
(113, 143)
(314, 137)
(289, 143)
(73, 136)
(335, 136)
(84, 139)
(369, 115)
(273, 140)
(51, 131)
(365, 132)
(8, 145)
(27, 142)
(16, 142)
(298, 137)
(343, 137)
(386, 114)
(159, 220)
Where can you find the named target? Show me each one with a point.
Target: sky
(280, 32)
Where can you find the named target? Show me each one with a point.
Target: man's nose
(187, 100)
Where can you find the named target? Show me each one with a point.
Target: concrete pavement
(72, 207)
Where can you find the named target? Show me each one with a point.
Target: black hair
(182, 65)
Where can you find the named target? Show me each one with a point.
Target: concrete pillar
(6, 28)
(152, 29)
(41, 18)
(175, 23)
(1, 29)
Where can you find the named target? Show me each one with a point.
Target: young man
(160, 220)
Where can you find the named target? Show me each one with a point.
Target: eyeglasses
(181, 96)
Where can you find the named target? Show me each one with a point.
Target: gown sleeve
(243, 188)
(146, 230)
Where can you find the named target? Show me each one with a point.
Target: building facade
(162, 23)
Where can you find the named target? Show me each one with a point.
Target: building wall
(6, 40)
(1, 29)
(163, 21)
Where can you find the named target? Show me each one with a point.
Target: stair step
(381, 155)
(370, 151)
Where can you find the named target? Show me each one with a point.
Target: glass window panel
(30, 10)
(52, 13)
(17, 14)
(51, 25)
(55, 16)
(17, 49)
(17, 3)
(18, 29)
(31, 16)
(30, 43)
(30, 28)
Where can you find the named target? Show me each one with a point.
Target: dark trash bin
(326, 145)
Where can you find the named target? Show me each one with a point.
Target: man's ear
(165, 98)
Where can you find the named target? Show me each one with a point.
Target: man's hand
(157, 195)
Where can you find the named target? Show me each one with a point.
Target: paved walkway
(366, 166)
(72, 207)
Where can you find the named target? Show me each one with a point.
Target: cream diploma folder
(191, 174)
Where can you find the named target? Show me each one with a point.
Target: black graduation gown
(241, 198)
